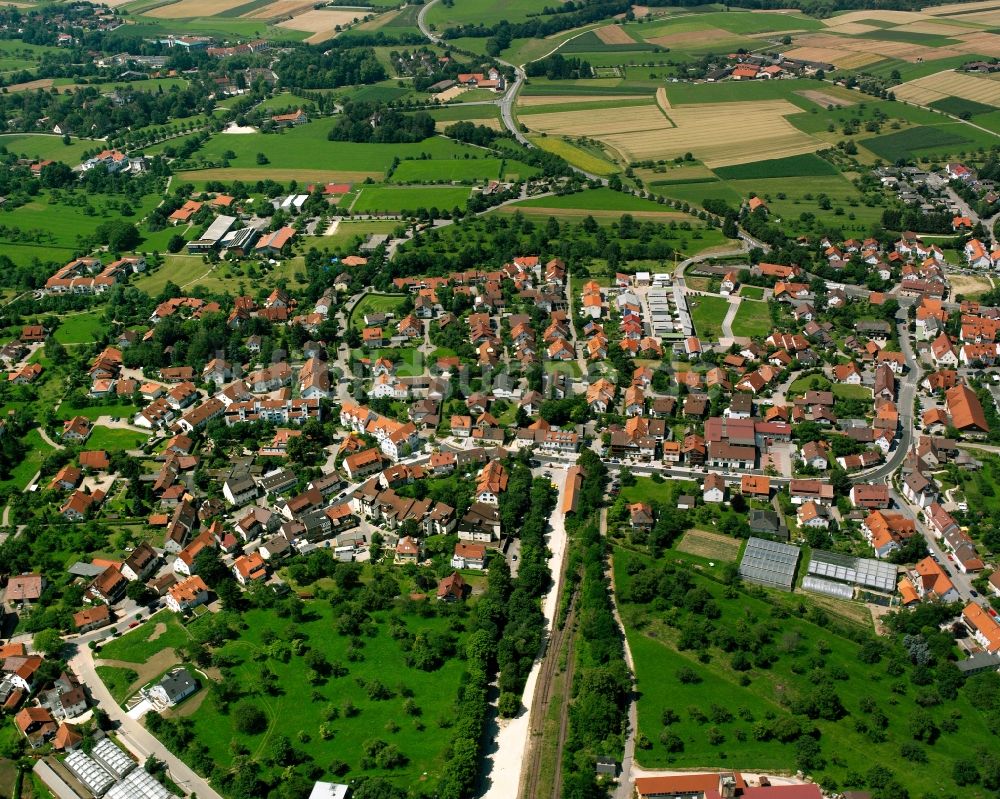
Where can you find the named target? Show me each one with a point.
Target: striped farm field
(189, 9)
(600, 123)
(953, 84)
(614, 34)
(963, 8)
(201, 176)
(528, 100)
(852, 28)
(845, 59)
(706, 130)
(279, 8)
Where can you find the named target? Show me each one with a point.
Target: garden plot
(954, 84)
(713, 546)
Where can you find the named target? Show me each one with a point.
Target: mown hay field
(963, 8)
(935, 28)
(321, 20)
(614, 34)
(824, 99)
(953, 84)
(706, 130)
(601, 122)
(845, 59)
(866, 16)
(528, 100)
(852, 28)
(279, 8)
(189, 9)
(706, 36)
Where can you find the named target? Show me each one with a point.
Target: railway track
(541, 704)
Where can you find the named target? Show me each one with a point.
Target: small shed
(606, 765)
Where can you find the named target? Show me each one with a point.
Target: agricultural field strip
(705, 129)
(189, 9)
(950, 83)
(321, 20)
(605, 122)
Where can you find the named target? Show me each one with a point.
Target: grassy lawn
(117, 680)
(472, 170)
(307, 148)
(21, 474)
(81, 328)
(179, 269)
(752, 292)
(707, 313)
(720, 710)
(648, 490)
(113, 439)
(374, 303)
(396, 199)
(810, 383)
(299, 707)
(409, 362)
(42, 145)
(121, 410)
(752, 319)
(844, 391)
(348, 235)
(44, 221)
(143, 642)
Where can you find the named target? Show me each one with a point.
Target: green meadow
(45, 146)
(471, 170)
(482, 12)
(753, 319)
(707, 313)
(306, 147)
(363, 688)
(81, 328)
(740, 686)
(398, 199)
